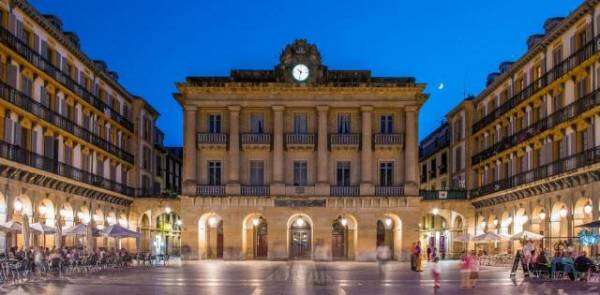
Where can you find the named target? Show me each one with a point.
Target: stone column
(366, 155)
(233, 183)
(322, 187)
(278, 186)
(411, 182)
(189, 150)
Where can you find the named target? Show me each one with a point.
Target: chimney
(54, 20)
(534, 40)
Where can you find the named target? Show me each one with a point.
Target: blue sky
(153, 43)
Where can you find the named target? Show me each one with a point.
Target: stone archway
(255, 237)
(300, 237)
(210, 236)
(389, 234)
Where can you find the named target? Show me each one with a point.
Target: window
(343, 173)
(300, 173)
(214, 123)
(557, 102)
(343, 122)
(458, 164)
(214, 172)
(300, 124)
(257, 172)
(386, 174)
(386, 124)
(556, 56)
(146, 158)
(257, 123)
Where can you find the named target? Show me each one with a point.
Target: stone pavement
(297, 277)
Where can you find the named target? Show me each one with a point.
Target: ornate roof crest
(300, 50)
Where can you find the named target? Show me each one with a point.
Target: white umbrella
(527, 235)
(489, 237)
(42, 228)
(463, 238)
(79, 230)
(118, 231)
(11, 226)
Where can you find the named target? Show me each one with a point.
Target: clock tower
(300, 63)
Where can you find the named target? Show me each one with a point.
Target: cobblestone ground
(298, 277)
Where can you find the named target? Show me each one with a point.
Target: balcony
(22, 156)
(212, 140)
(44, 113)
(300, 141)
(436, 146)
(38, 61)
(565, 114)
(389, 191)
(432, 195)
(383, 141)
(567, 164)
(344, 191)
(255, 190)
(256, 141)
(443, 168)
(344, 140)
(210, 190)
(577, 58)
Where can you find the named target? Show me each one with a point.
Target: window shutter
(573, 44)
(34, 145)
(44, 50)
(63, 65)
(8, 126)
(12, 76)
(36, 42)
(18, 135)
(12, 24)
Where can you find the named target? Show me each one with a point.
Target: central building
(300, 162)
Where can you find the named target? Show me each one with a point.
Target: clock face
(300, 72)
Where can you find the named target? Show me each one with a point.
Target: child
(435, 273)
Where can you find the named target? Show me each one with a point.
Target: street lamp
(168, 210)
(495, 221)
(542, 215)
(588, 208)
(435, 211)
(343, 221)
(18, 205)
(388, 221)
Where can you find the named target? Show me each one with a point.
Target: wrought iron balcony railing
(210, 190)
(299, 139)
(344, 139)
(565, 114)
(41, 111)
(344, 191)
(256, 138)
(22, 156)
(388, 139)
(255, 190)
(40, 62)
(389, 191)
(429, 195)
(547, 78)
(212, 138)
(579, 160)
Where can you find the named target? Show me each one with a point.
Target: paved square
(298, 277)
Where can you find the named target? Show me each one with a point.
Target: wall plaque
(299, 203)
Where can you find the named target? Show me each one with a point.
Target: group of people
(416, 262)
(40, 259)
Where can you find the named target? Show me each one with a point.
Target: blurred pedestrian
(435, 273)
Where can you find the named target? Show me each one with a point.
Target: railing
(567, 113)
(389, 191)
(388, 139)
(212, 138)
(345, 191)
(585, 158)
(148, 192)
(432, 173)
(429, 195)
(20, 155)
(344, 139)
(210, 190)
(300, 139)
(256, 138)
(434, 147)
(41, 111)
(255, 190)
(443, 168)
(17, 45)
(550, 76)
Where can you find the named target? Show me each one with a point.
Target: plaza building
(300, 161)
(75, 145)
(532, 137)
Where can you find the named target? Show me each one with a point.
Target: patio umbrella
(527, 235)
(79, 230)
(489, 237)
(42, 229)
(118, 231)
(463, 238)
(11, 226)
(593, 224)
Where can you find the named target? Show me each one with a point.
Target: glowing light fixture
(542, 215)
(388, 221)
(299, 222)
(18, 205)
(212, 221)
(256, 221)
(588, 208)
(43, 210)
(178, 222)
(343, 221)
(563, 212)
(495, 221)
(168, 209)
(435, 211)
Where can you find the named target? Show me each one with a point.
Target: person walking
(413, 265)
(435, 273)
(418, 257)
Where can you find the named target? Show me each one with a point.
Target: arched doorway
(434, 234)
(260, 240)
(168, 234)
(300, 238)
(210, 236)
(339, 239)
(389, 234)
(145, 233)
